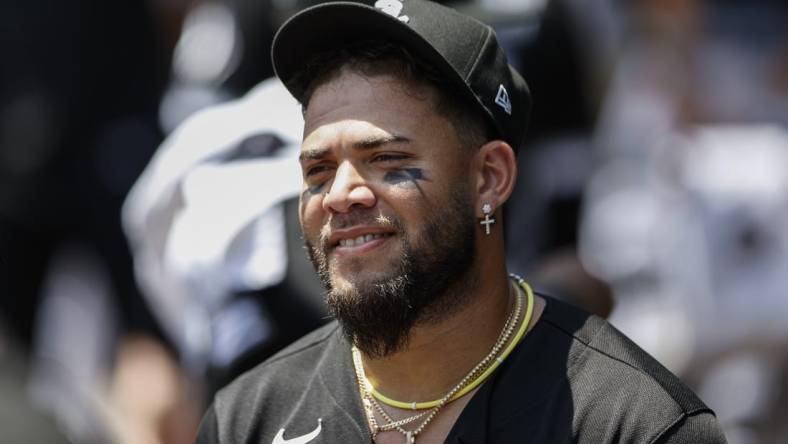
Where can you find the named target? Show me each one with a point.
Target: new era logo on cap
(502, 100)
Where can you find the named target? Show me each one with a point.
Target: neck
(440, 352)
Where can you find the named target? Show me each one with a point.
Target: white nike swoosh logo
(280, 437)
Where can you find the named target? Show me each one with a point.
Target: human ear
(496, 173)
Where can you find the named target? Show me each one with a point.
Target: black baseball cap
(464, 50)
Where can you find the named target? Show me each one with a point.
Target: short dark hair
(374, 58)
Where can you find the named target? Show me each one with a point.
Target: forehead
(385, 102)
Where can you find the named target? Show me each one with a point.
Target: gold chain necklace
(471, 380)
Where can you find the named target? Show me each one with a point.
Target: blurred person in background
(232, 288)
(565, 52)
(213, 226)
(80, 83)
(20, 420)
(686, 211)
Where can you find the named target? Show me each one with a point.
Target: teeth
(360, 240)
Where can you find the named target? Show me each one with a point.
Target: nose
(348, 189)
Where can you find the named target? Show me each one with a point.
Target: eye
(315, 170)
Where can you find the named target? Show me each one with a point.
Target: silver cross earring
(487, 210)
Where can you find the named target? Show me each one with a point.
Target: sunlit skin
(376, 147)
(367, 149)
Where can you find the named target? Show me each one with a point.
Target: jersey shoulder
(617, 387)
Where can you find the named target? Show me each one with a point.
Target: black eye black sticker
(406, 175)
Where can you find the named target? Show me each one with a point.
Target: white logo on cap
(392, 8)
(502, 100)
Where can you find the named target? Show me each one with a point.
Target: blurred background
(149, 244)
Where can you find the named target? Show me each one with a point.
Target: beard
(425, 283)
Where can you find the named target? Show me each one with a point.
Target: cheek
(409, 205)
(310, 215)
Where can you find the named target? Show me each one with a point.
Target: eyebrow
(378, 141)
(361, 145)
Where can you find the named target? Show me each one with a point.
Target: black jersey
(573, 378)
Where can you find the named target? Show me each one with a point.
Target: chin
(359, 279)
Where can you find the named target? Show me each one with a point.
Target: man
(412, 119)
